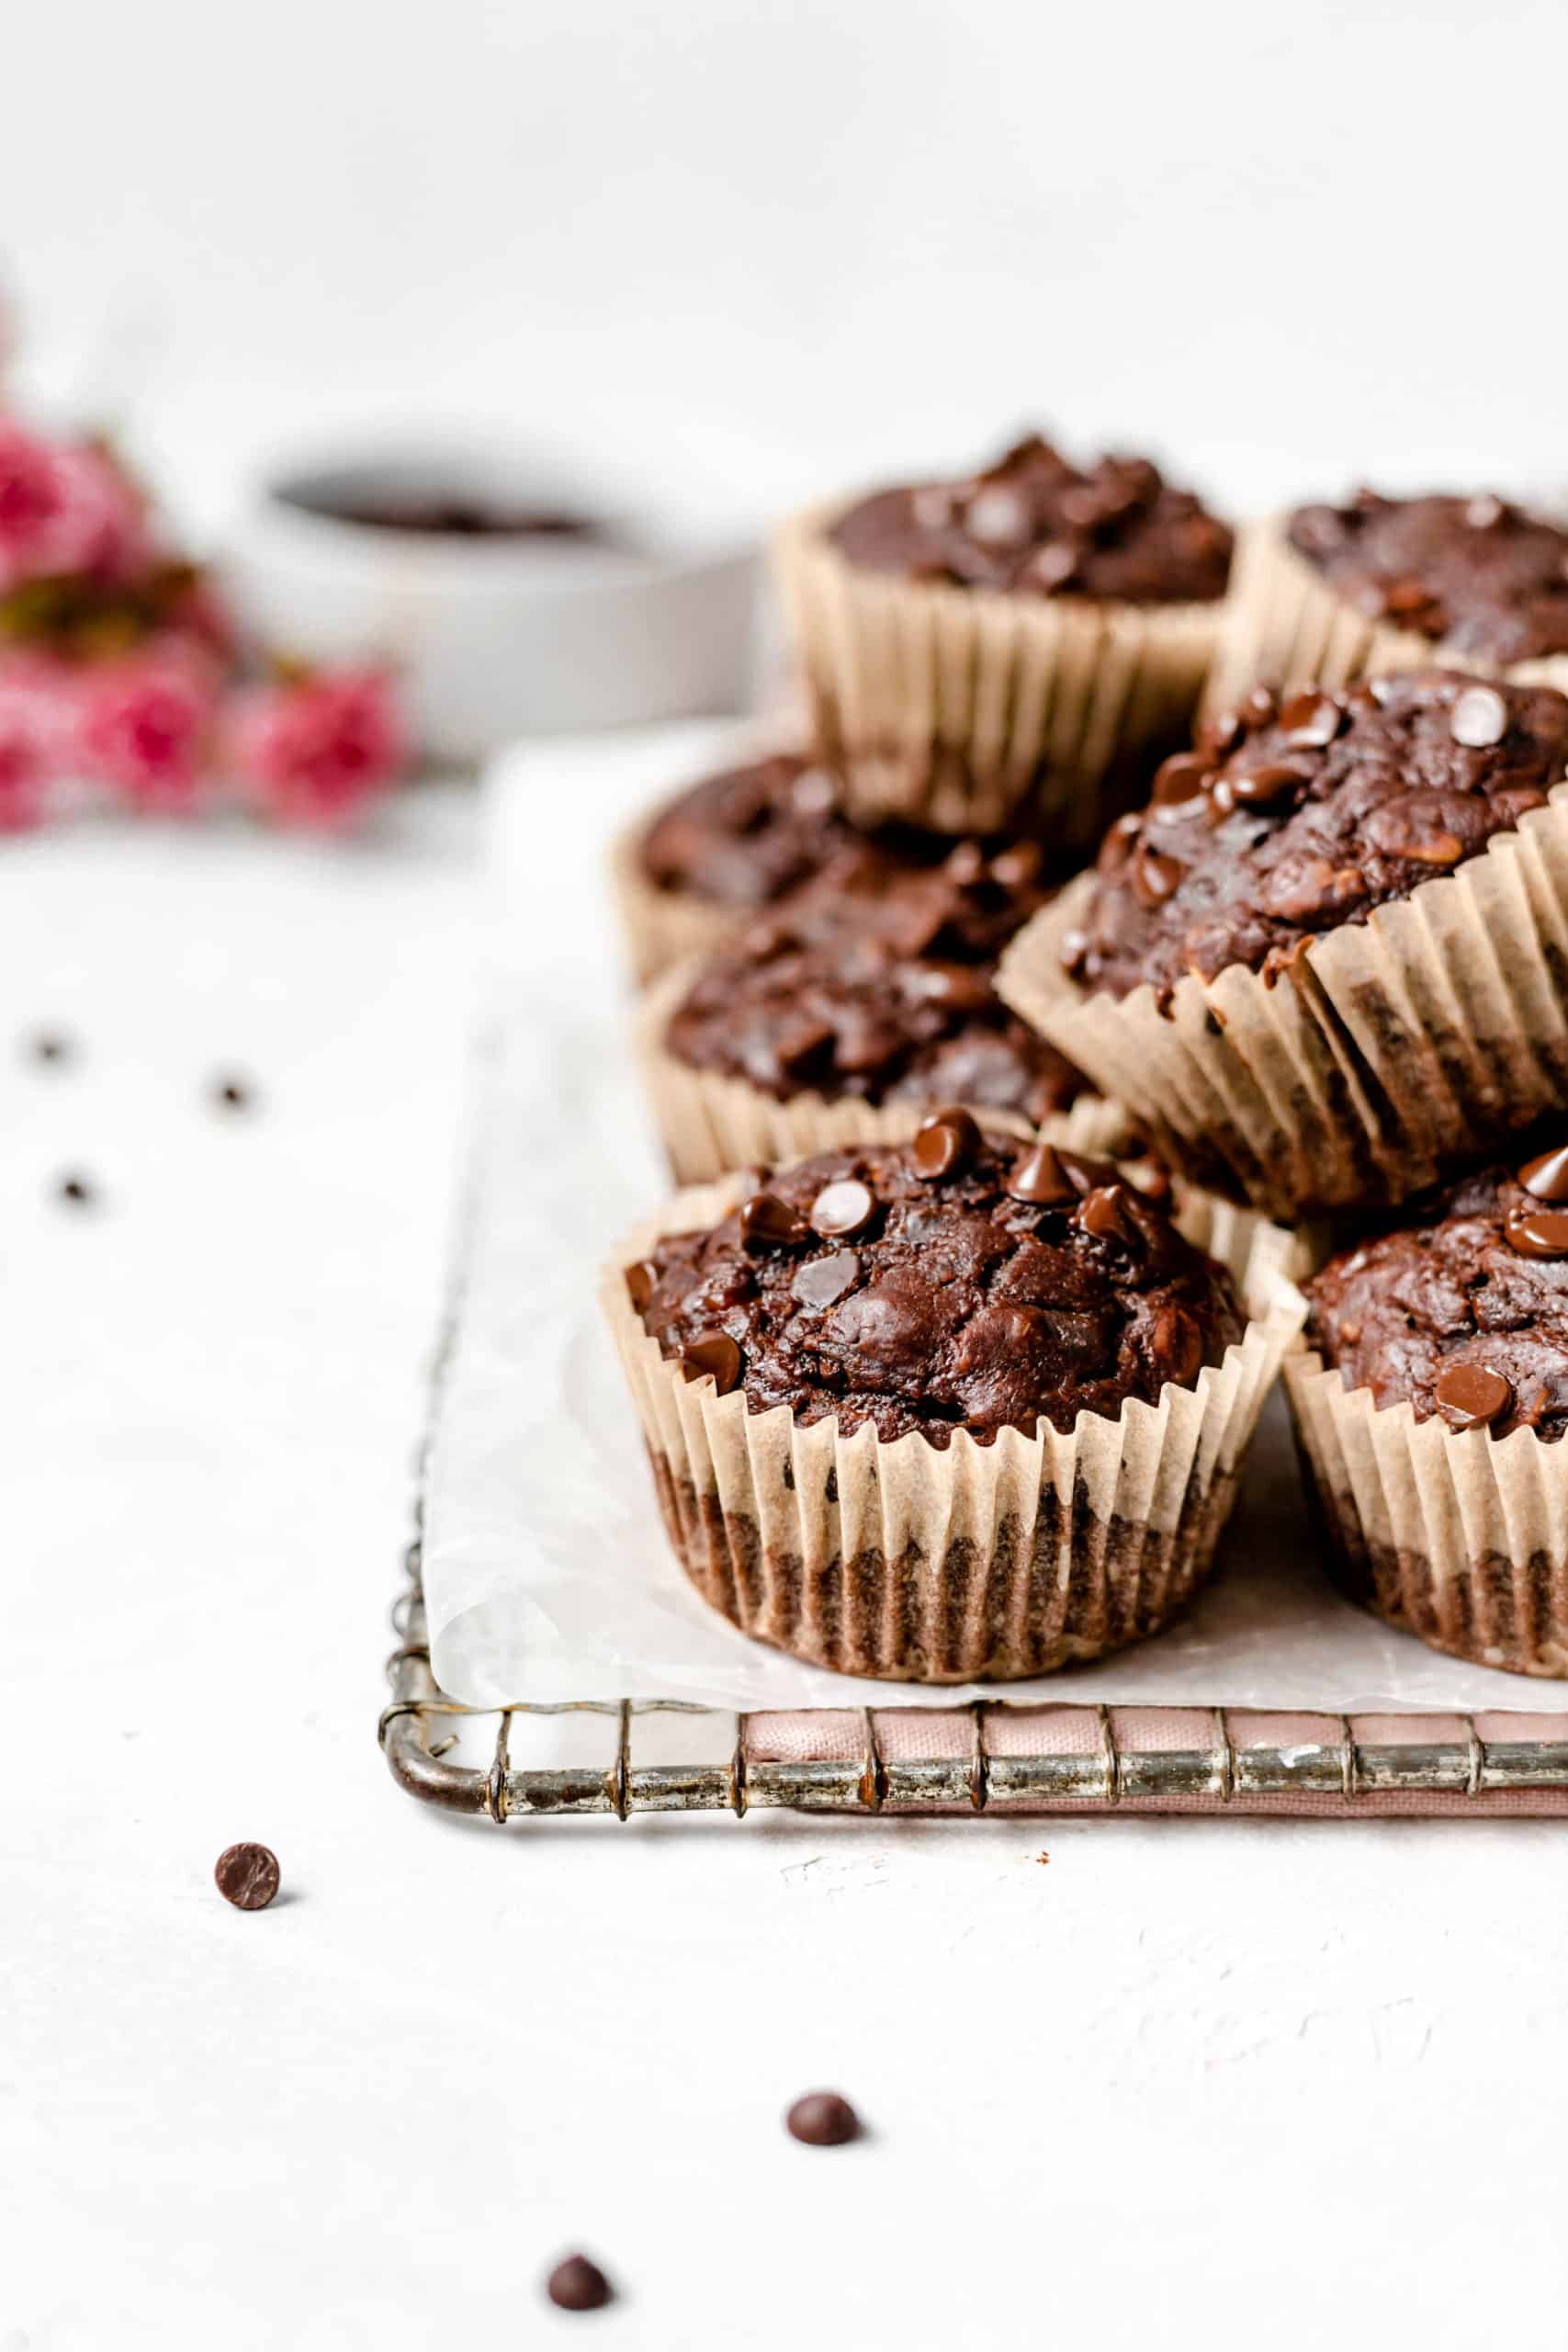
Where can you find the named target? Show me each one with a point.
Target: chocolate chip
(1262, 787)
(945, 1144)
(1119, 843)
(1547, 1177)
(51, 1049)
(1073, 953)
(998, 517)
(1053, 565)
(1259, 708)
(1222, 733)
(1538, 1233)
(960, 987)
(1310, 721)
(246, 1876)
(231, 1094)
(1016, 867)
(1484, 514)
(1405, 597)
(842, 1209)
(1039, 1178)
(578, 2285)
(80, 1191)
(1180, 778)
(823, 2119)
(1155, 877)
(966, 864)
(715, 1356)
(1479, 718)
(822, 1281)
(1106, 1213)
(642, 1280)
(1470, 1395)
(768, 1223)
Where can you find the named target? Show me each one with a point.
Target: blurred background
(758, 250)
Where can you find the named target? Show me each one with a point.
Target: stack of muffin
(948, 1369)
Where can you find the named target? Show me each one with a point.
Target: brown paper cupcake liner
(950, 707)
(663, 927)
(971, 1562)
(711, 1123)
(1461, 1539)
(1285, 625)
(1382, 1053)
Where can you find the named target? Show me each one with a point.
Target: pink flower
(66, 509)
(146, 724)
(317, 749)
(23, 766)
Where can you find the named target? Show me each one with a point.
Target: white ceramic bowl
(498, 636)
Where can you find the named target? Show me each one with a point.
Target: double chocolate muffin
(1264, 966)
(1023, 636)
(1459, 1313)
(861, 999)
(1327, 593)
(962, 1405)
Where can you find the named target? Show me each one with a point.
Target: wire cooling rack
(1113, 1767)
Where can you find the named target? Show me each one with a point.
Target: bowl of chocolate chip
(514, 596)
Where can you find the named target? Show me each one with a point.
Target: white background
(1184, 2084)
(1290, 245)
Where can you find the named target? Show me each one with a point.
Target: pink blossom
(146, 724)
(317, 749)
(66, 509)
(23, 766)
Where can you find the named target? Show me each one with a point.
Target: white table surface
(1183, 2081)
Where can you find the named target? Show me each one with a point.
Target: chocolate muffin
(1024, 635)
(722, 848)
(936, 1384)
(855, 1003)
(1453, 1322)
(1330, 592)
(1329, 958)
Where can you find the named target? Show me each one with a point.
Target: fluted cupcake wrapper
(663, 927)
(950, 707)
(968, 1562)
(1385, 1050)
(1458, 1538)
(711, 1123)
(1286, 625)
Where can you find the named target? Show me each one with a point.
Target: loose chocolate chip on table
(578, 2285)
(1538, 1233)
(1547, 1177)
(1039, 1178)
(1470, 1395)
(1479, 718)
(717, 1356)
(80, 1191)
(823, 2119)
(945, 1144)
(642, 1279)
(232, 1095)
(822, 1281)
(768, 1223)
(49, 1047)
(246, 1876)
(842, 1210)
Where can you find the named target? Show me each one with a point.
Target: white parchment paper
(547, 1573)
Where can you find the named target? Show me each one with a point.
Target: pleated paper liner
(1458, 1538)
(950, 707)
(1384, 1051)
(711, 1123)
(1286, 625)
(968, 1562)
(663, 927)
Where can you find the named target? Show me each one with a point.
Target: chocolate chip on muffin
(1035, 525)
(1288, 818)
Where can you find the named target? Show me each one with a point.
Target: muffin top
(1033, 525)
(1463, 1309)
(874, 981)
(1480, 577)
(957, 1282)
(746, 836)
(1285, 822)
